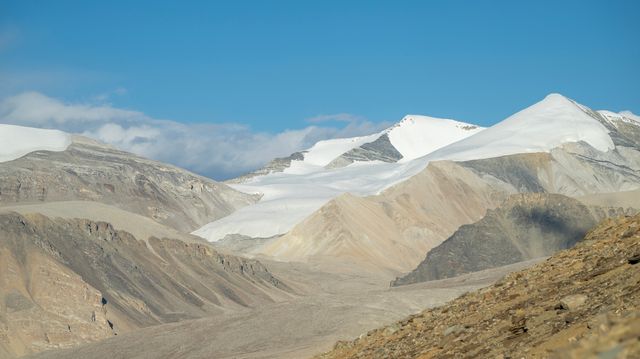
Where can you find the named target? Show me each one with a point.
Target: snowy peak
(413, 137)
(624, 117)
(412, 121)
(548, 124)
(17, 141)
(416, 136)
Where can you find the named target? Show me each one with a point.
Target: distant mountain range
(385, 200)
(96, 242)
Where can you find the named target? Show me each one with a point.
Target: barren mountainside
(580, 303)
(71, 281)
(525, 226)
(90, 171)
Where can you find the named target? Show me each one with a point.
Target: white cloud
(104, 97)
(216, 150)
(33, 108)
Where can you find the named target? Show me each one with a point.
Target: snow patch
(624, 116)
(416, 136)
(17, 141)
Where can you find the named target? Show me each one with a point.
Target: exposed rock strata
(526, 226)
(66, 282)
(91, 171)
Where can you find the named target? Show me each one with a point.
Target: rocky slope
(276, 165)
(334, 306)
(69, 281)
(379, 150)
(525, 226)
(580, 303)
(90, 171)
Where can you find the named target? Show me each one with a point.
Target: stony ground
(336, 305)
(581, 303)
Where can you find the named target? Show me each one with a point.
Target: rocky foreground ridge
(583, 302)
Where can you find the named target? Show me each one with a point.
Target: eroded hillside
(583, 302)
(525, 226)
(64, 282)
(90, 171)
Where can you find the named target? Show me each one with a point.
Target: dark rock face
(526, 226)
(113, 281)
(623, 133)
(520, 171)
(274, 166)
(93, 172)
(379, 150)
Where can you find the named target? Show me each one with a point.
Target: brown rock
(573, 302)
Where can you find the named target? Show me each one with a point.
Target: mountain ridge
(553, 122)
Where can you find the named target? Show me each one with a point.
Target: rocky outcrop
(90, 171)
(69, 281)
(379, 150)
(525, 226)
(580, 303)
(274, 166)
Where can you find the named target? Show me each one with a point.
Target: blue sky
(270, 66)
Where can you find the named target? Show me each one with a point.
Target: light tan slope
(624, 199)
(391, 232)
(139, 226)
(348, 227)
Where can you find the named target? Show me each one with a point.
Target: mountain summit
(539, 128)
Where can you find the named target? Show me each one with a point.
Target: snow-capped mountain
(312, 178)
(553, 147)
(370, 164)
(414, 136)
